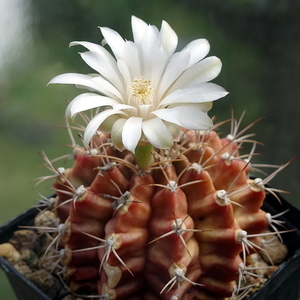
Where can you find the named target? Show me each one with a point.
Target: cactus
(156, 205)
(182, 228)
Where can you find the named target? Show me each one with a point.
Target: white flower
(147, 91)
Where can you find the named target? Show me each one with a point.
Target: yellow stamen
(142, 91)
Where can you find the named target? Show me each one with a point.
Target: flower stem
(143, 155)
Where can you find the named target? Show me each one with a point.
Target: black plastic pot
(22, 287)
(284, 283)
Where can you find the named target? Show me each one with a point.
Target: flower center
(141, 91)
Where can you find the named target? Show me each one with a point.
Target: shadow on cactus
(156, 205)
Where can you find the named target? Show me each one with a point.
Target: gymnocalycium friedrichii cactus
(157, 205)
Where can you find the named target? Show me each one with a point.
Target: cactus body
(178, 229)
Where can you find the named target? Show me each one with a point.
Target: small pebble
(46, 219)
(274, 250)
(30, 257)
(24, 239)
(23, 268)
(10, 253)
(44, 280)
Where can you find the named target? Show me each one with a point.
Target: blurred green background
(258, 42)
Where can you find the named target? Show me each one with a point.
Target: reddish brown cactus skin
(129, 229)
(167, 232)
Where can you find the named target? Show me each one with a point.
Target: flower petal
(148, 45)
(116, 134)
(98, 49)
(124, 70)
(174, 129)
(87, 101)
(199, 49)
(177, 64)
(138, 28)
(132, 60)
(95, 123)
(89, 82)
(77, 79)
(95, 61)
(205, 92)
(131, 134)
(169, 38)
(144, 111)
(107, 88)
(204, 106)
(157, 133)
(189, 117)
(114, 40)
(204, 71)
(160, 59)
(130, 110)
